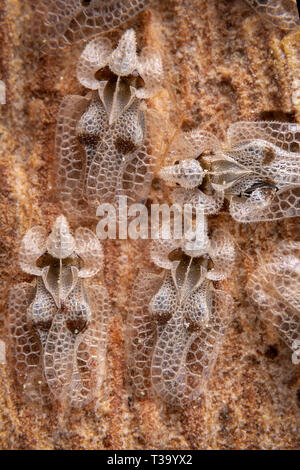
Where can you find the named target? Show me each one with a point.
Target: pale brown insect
(58, 323)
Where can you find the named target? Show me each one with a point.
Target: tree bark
(223, 63)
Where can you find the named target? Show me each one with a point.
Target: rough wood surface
(223, 63)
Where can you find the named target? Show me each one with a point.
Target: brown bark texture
(223, 63)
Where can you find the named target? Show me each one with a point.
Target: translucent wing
(89, 249)
(222, 254)
(274, 287)
(168, 368)
(32, 246)
(205, 347)
(184, 359)
(103, 174)
(67, 22)
(94, 57)
(150, 68)
(58, 13)
(282, 13)
(286, 203)
(74, 352)
(136, 176)
(137, 169)
(60, 359)
(91, 349)
(71, 158)
(109, 173)
(192, 144)
(160, 250)
(206, 203)
(270, 149)
(95, 340)
(284, 135)
(24, 344)
(141, 331)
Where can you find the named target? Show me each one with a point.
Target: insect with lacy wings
(274, 287)
(256, 169)
(102, 138)
(58, 323)
(178, 318)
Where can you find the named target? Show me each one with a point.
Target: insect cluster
(105, 148)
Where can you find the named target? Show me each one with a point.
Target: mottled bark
(223, 63)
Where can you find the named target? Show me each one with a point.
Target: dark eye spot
(177, 162)
(85, 3)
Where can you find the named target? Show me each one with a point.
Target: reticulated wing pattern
(24, 344)
(150, 68)
(185, 351)
(286, 203)
(160, 250)
(192, 144)
(222, 253)
(121, 163)
(274, 287)
(75, 349)
(59, 357)
(284, 135)
(91, 352)
(58, 327)
(141, 332)
(71, 158)
(271, 149)
(94, 57)
(90, 251)
(203, 351)
(137, 168)
(206, 203)
(62, 23)
(32, 246)
(282, 13)
(136, 176)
